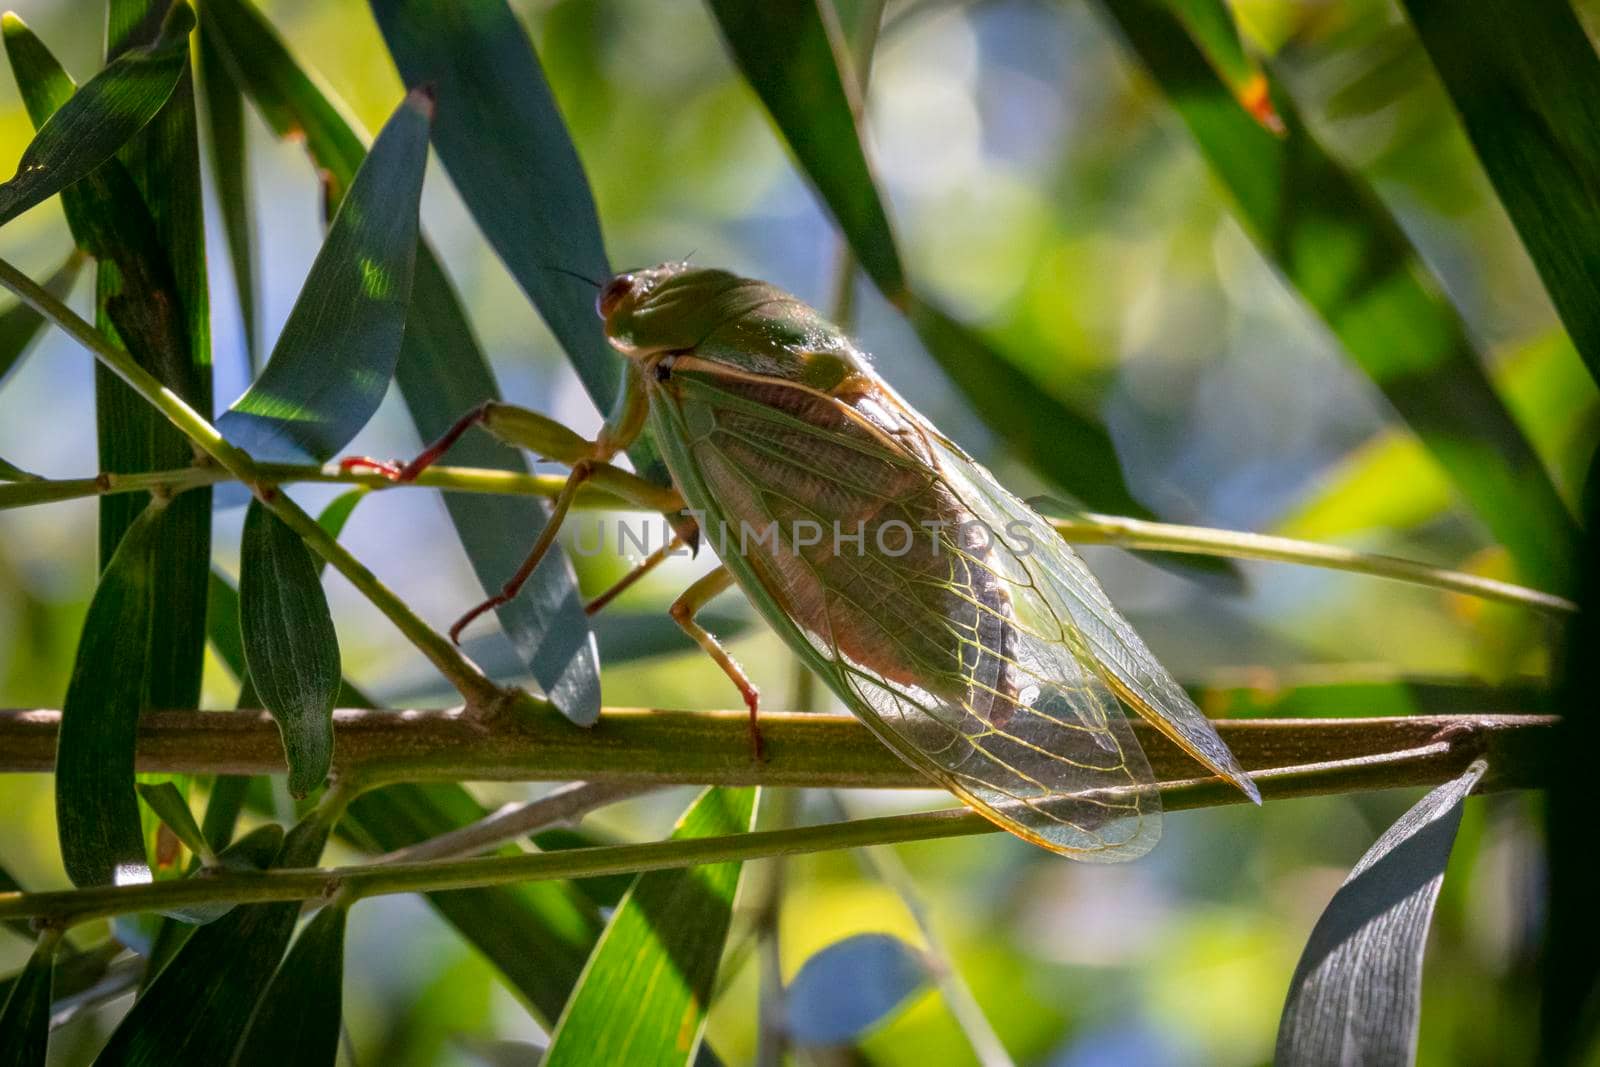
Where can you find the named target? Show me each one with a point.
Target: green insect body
(944, 612)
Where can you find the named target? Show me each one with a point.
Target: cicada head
(725, 320)
(673, 307)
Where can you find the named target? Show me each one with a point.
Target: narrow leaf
(141, 303)
(224, 113)
(297, 1019)
(97, 812)
(170, 807)
(502, 138)
(253, 852)
(25, 1016)
(20, 325)
(442, 374)
(851, 986)
(1569, 1002)
(1356, 995)
(790, 54)
(10, 472)
(1526, 81)
(1343, 252)
(1072, 449)
(289, 643)
(198, 1007)
(337, 352)
(111, 108)
(656, 963)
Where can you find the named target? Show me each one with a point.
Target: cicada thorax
(873, 557)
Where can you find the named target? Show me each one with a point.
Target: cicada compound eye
(612, 294)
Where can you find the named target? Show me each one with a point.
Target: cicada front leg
(683, 611)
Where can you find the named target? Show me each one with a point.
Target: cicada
(944, 612)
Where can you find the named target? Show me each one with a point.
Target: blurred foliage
(1041, 190)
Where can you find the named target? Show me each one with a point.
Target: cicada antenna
(573, 274)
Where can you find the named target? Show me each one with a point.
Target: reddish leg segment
(683, 611)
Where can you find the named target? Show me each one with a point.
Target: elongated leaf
(289, 643)
(25, 1015)
(160, 319)
(442, 374)
(198, 1007)
(790, 56)
(97, 812)
(1345, 255)
(1391, 482)
(20, 325)
(1569, 1002)
(1072, 449)
(538, 934)
(789, 53)
(113, 106)
(297, 1020)
(502, 139)
(337, 352)
(1526, 81)
(851, 986)
(10, 472)
(224, 113)
(1356, 995)
(253, 852)
(656, 963)
(169, 805)
(21, 927)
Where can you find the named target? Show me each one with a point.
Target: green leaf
(297, 1019)
(791, 55)
(1391, 482)
(538, 934)
(112, 107)
(1071, 449)
(337, 352)
(97, 811)
(1345, 255)
(140, 302)
(25, 1017)
(198, 1007)
(1570, 961)
(1526, 81)
(253, 852)
(442, 374)
(289, 643)
(169, 805)
(224, 113)
(10, 472)
(656, 963)
(848, 988)
(502, 139)
(1356, 996)
(20, 325)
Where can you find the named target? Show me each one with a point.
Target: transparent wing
(957, 650)
(1123, 660)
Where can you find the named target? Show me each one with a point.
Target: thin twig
(1428, 764)
(1085, 528)
(710, 748)
(474, 687)
(1088, 528)
(562, 806)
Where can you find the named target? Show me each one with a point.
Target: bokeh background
(1043, 190)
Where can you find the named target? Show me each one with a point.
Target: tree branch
(713, 748)
(1522, 745)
